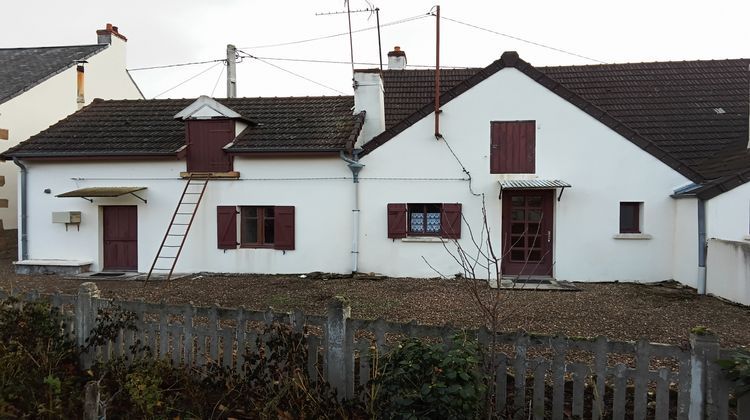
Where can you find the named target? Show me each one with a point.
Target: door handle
(549, 236)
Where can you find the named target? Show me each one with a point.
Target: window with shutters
(424, 219)
(255, 227)
(513, 147)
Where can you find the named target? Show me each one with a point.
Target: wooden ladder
(179, 226)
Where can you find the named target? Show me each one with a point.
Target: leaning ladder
(179, 226)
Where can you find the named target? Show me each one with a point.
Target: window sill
(636, 236)
(747, 237)
(424, 239)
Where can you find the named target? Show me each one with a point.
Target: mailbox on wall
(67, 217)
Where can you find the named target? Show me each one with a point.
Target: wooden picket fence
(534, 376)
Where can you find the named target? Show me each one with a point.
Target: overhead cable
(185, 81)
(523, 40)
(289, 71)
(176, 65)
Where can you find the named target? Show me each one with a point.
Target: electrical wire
(290, 72)
(176, 65)
(217, 81)
(185, 81)
(310, 60)
(301, 41)
(523, 40)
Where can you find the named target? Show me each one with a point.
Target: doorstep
(533, 283)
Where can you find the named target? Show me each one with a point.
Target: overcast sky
(162, 32)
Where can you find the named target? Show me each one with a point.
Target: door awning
(92, 192)
(533, 184)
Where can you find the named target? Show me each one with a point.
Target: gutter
(355, 167)
(24, 251)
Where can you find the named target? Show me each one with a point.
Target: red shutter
(450, 220)
(226, 227)
(284, 227)
(513, 147)
(397, 220)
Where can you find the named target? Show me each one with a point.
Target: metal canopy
(87, 193)
(533, 184)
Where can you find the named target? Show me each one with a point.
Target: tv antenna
(371, 10)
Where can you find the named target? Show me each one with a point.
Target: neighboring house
(40, 86)
(587, 173)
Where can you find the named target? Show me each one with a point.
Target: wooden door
(205, 145)
(527, 232)
(120, 238)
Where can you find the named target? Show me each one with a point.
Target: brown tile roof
(148, 127)
(684, 113)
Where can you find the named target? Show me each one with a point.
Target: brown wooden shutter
(284, 227)
(450, 221)
(513, 147)
(397, 227)
(226, 227)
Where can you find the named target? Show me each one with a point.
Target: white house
(586, 173)
(40, 86)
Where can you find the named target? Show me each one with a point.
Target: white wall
(728, 270)
(54, 99)
(320, 189)
(728, 215)
(602, 167)
(685, 254)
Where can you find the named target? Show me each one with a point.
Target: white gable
(206, 108)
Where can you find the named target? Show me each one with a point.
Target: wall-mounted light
(47, 191)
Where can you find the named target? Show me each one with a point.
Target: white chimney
(396, 59)
(368, 97)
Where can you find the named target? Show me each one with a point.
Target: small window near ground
(630, 217)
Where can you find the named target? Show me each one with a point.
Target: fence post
(91, 401)
(85, 317)
(705, 375)
(336, 346)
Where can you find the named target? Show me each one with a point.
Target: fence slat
(662, 395)
(163, 334)
(600, 370)
(640, 398)
(213, 333)
(227, 347)
(743, 406)
(501, 382)
(187, 335)
(240, 337)
(538, 394)
(312, 357)
(580, 372)
(364, 363)
(559, 347)
(519, 371)
(621, 384)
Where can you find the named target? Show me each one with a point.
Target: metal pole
(351, 41)
(437, 72)
(231, 71)
(380, 47)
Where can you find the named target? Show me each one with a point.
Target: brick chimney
(396, 59)
(104, 36)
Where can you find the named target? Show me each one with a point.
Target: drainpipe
(702, 247)
(24, 239)
(355, 167)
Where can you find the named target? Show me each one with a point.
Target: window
(421, 219)
(424, 219)
(630, 217)
(513, 147)
(256, 227)
(259, 227)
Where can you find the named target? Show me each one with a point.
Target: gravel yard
(623, 311)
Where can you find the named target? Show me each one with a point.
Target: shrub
(737, 370)
(420, 380)
(38, 362)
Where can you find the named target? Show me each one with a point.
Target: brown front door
(527, 232)
(206, 140)
(120, 237)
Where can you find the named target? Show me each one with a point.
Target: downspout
(23, 235)
(702, 247)
(355, 167)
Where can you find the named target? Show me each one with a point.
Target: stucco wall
(53, 100)
(728, 270)
(728, 215)
(320, 189)
(602, 167)
(685, 257)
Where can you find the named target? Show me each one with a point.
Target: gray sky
(176, 31)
